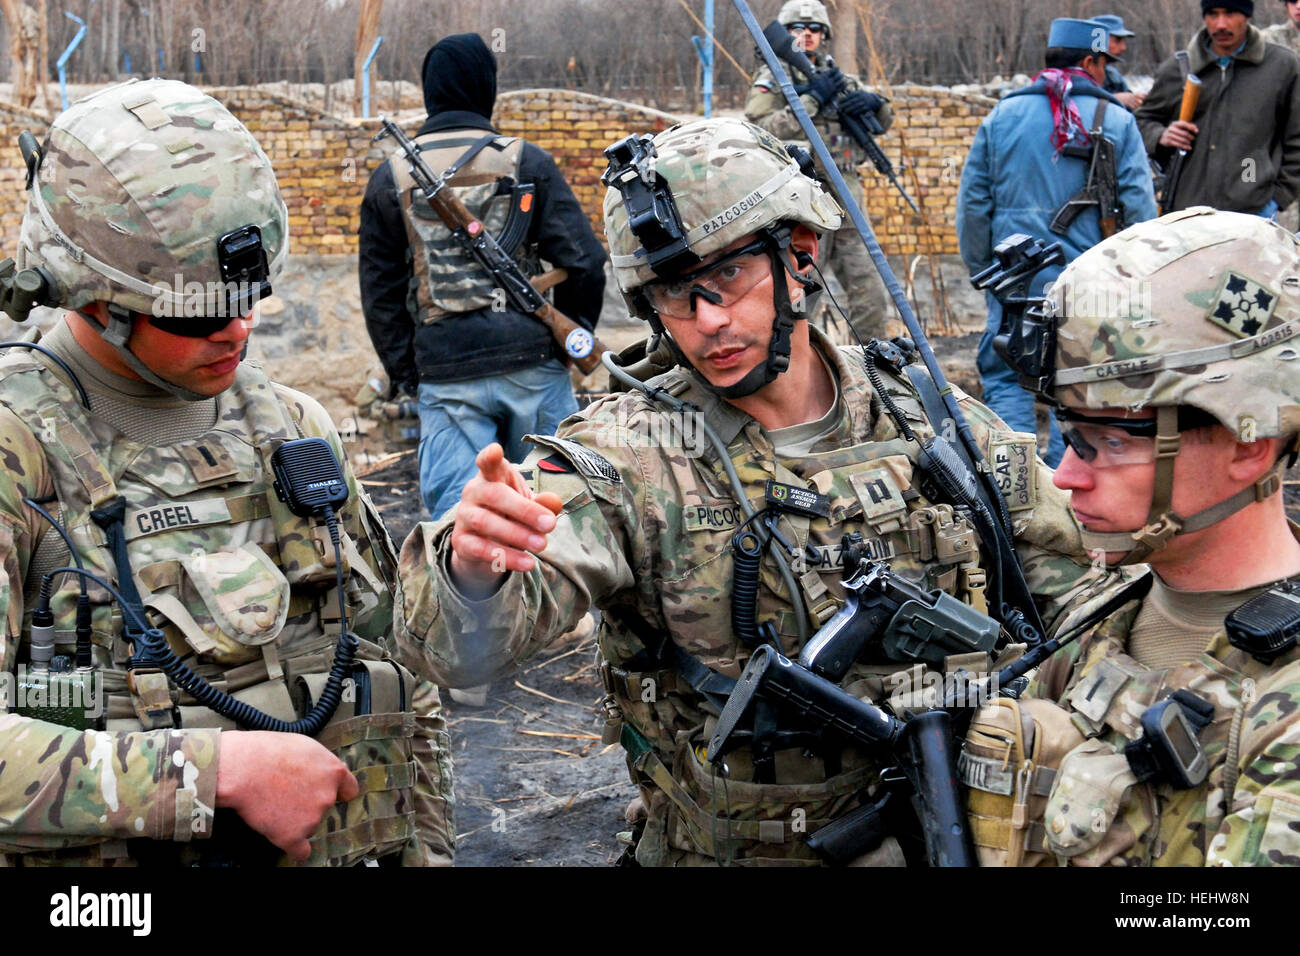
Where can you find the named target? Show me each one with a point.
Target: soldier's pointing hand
(499, 521)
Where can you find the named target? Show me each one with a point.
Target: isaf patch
(1014, 471)
(1243, 306)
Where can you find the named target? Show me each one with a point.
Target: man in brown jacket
(1244, 138)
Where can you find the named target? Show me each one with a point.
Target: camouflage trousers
(865, 300)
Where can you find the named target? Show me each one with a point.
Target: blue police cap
(1078, 35)
(1114, 25)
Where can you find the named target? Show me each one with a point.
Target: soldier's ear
(803, 246)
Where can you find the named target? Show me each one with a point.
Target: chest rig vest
(1097, 813)
(658, 700)
(483, 170)
(242, 588)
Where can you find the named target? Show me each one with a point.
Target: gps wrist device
(1169, 749)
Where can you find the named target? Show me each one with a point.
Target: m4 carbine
(1101, 189)
(578, 343)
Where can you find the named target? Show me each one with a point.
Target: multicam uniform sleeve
(63, 787)
(434, 795)
(766, 107)
(1263, 825)
(1047, 536)
(596, 550)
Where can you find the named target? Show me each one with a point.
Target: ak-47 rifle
(860, 128)
(1191, 97)
(1101, 189)
(578, 343)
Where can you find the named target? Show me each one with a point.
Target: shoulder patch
(1014, 468)
(556, 465)
(589, 464)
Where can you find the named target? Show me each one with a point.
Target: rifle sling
(1088, 194)
(468, 155)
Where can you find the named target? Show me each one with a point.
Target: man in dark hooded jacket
(483, 372)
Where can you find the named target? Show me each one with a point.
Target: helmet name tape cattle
(1199, 309)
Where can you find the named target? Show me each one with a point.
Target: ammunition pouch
(1009, 763)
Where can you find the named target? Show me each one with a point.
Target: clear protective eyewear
(1106, 441)
(722, 282)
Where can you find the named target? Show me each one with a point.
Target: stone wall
(323, 161)
(933, 130)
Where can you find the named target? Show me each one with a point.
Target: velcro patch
(1014, 469)
(590, 464)
(878, 492)
(1243, 307)
(803, 501)
(711, 517)
(556, 465)
(141, 522)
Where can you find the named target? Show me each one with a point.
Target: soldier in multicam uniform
(147, 199)
(626, 511)
(841, 251)
(1286, 33)
(1178, 394)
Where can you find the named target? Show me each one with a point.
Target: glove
(826, 85)
(859, 103)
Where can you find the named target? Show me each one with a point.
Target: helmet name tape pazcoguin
(728, 179)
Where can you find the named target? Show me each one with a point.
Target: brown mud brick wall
(323, 161)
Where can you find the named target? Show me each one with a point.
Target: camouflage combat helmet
(717, 181)
(806, 11)
(1198, 309)
(152, 197)
(728, 179)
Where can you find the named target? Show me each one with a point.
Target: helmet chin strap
(783, 320)
(1163, 523)
(116, 333)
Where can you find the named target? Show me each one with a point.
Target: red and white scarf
(1067, 123)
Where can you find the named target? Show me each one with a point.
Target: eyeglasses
(194, 327)
(1107, 442)
(722, 282)
(810, 27)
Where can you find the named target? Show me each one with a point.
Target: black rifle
(1101, 190)
(578, 343)
(881, 604)
(956, 468)
(929, 765)
(861, 131)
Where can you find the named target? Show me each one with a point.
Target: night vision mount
(651, 212)
(20, 292)
(1026, 338)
